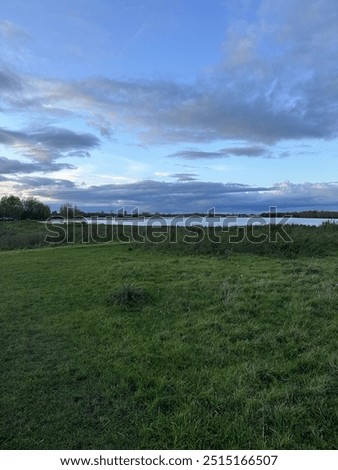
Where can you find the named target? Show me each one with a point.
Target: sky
(170, 106)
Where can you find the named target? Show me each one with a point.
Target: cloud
(255, 94)
(305, 195)
(147, 195)
(10, 30)
(9, 166)
(181, 177)
(286, 91)
(9, 81)
(191, 154)
(163, 111)
(43, 185)
(180, 197)
(48, 143)
(102, 124)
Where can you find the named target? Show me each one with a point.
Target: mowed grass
(236, 352)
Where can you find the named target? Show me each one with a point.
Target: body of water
(181, 221)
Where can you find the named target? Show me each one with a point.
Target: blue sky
(170, 105)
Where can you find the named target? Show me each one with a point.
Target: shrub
(129, 295)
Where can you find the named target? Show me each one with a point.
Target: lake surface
(180, 221)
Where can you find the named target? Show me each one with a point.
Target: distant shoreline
(193, 220)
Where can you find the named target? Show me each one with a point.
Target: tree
(68, 211)
(11, 207)
(35, 210)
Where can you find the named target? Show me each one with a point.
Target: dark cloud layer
(147, 195)
(182, 196)
(184, 176)
(191, 154)
(162, 111)
(11, 166)
(49, 143)
(44, 185)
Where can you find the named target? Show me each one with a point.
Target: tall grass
(291, 241)
(294, 241)
(18, 235)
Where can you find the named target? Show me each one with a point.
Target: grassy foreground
(114, 347)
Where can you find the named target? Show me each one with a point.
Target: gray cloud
(63, 139)
(10, 166)
(41, 185)
(181, 177)
(79, 153)
(9, 81)
(183, 196)
(49, 143)
(147, 195)
(103, 125)
(252, 151)
(167, 112)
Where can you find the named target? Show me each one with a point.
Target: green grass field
(117, 347)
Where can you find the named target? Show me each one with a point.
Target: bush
(129, 295)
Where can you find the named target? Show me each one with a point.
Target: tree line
(14, 208)
(312, 214)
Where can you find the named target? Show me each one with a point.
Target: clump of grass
(129, 295)
(229, 293)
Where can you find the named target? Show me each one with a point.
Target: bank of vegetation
(288, 241)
